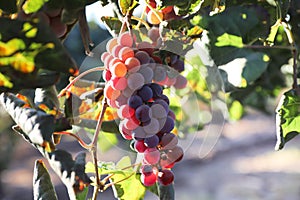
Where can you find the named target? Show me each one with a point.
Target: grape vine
(159, 49)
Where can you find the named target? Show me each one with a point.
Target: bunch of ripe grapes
(135, 78)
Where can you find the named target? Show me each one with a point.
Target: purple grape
(163, 103)
(168, 126)
(165, 98)
(156, 90)
(151, 142)
(135, 101)
(145, 93)
(143, 57)
(143, 113)
(178, 65)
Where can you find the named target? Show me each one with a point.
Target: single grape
(153, 34)
(148, 180)
(115, 50)
(135, 101)
(172, 114)
(162, 103)
(165, 98)
(127, 134)
(119, 69)
(158, 111)
(152, 156)
(168, 126)
(125, 53)
(159, 74)
(104, 55)
(58, 27)
(151, 142)
(43, 18)
(181, 82)
(165, 177)
(127, 92)
(140, 147)
(166, 163)
(111, 93)
(143, 57)
(152, 128)
(135, 81)
(125, 39)
(145, 93)
(175, 154)
(143, 113)
(146, 169)
(139, 133)
(147, 73)
(111, 44)
(167, 9)
(133, 64)
(146, 46)
(131, 123)
(178, 65)
(107, 61)
(156, 89)
(168, 141)
(106, 74)
(119, 83)
(154, 18)
(125, 111)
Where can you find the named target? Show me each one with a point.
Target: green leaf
(241, 72)
(236, 110)
(42, 49)
(42, 185)
(273, 32)
(82, 195)
(166, 192)
(31, 6)
(130, 186)
(287, 118)
(47, 96)
(37, 125)
(113, 24)
(229, 40)
(107, 141)
(124, 5)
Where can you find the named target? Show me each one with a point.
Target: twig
(63, 91)
(268, 47)
(81, 142)
(94, 148)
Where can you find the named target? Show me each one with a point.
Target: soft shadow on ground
(242, 166)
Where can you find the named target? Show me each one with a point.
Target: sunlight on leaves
(287, 118)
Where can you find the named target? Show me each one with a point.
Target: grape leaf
(125, 5)
(107, 141)
(47, 96)
(42, 185)
(130, 186)
(31, 6)
(41, 50)
(287, 118)
(112, 23)
(37, 125)
(166, 192)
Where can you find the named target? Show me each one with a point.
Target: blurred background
(241, 166)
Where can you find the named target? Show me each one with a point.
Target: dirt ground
(242, 166)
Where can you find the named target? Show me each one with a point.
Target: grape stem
(141, 22)
(63, 91)
(81, 142)
(93, 149)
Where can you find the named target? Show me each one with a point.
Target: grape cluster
(135, 78)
